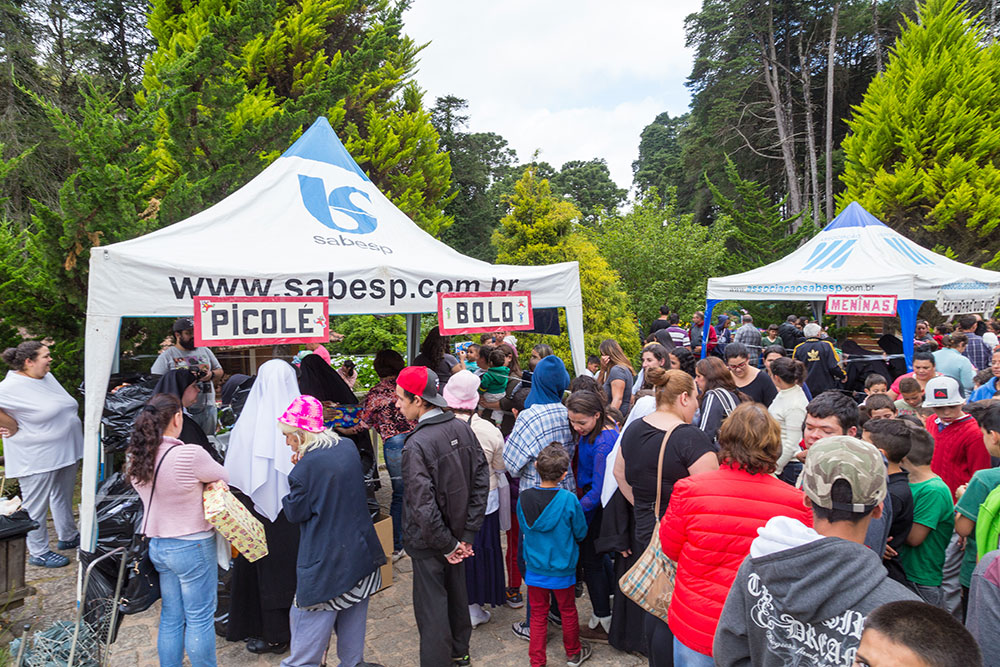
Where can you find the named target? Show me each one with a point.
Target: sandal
(49, 559)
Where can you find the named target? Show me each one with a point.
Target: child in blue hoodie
(552, 523)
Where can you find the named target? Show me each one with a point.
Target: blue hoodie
(548, 382)
(552, 522)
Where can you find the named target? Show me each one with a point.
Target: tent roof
(857, 254)
(310, 223)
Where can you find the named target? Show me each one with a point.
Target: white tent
(310, 224)
(858, 254)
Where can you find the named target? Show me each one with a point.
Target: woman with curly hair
(682, 359)
(170, 477)
(711, 520)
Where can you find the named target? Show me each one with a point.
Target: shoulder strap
(659, 469)
(152, 491)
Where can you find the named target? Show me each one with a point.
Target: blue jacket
(552, 523)
(338, 546)
(985, 391)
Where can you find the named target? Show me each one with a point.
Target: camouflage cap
(844, 457)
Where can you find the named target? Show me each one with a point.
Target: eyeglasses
(737, 367)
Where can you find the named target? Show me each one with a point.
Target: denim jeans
(188, 580)
(392, 450)
(687, 657)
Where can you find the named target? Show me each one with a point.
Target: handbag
(650, 581)
(143, 586)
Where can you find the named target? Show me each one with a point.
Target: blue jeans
(392, 450)
(686, 657)
(188, 580)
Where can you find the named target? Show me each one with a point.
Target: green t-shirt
(979, 487)
(932, 507)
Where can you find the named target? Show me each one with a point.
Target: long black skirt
(484, 576)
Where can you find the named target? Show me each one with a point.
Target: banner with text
(861, 304)
(249, 320)
(480, 312)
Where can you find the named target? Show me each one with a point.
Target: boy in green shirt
(922, 556)
(971, 496)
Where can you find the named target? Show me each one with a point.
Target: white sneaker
(478, 615)
(396, 555)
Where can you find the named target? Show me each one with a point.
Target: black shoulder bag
(143, 586)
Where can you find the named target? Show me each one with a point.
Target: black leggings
(598, 572)
(659, 642)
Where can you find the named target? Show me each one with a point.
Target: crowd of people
(810, 522)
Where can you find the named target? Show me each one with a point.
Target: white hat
(942, 391)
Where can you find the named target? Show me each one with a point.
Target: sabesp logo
(329, 209)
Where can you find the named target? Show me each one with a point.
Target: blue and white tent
(859, 254)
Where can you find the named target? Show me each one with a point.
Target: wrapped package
(338, 415)
(235, 523)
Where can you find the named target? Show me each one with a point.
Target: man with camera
(200, 361)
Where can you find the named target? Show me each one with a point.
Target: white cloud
(570, 78)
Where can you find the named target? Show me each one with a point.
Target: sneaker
(585, 652)
(68, 544)
(594, 634)
(514, 598)
(49, 559)
(555, 619)
(397, 554)
(522, 630)
(478, 616)
(464, 661)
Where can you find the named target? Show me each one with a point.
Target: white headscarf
(644, 406)
(258, 460)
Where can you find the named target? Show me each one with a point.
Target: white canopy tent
(856, 253)
(311, 224)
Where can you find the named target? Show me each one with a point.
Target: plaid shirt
(977, 351)
(749, 335)
(536, 428)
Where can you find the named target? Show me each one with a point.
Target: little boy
(875, 384)
(593, 366)
(880, 406)
(922, 556)
(471, 357)
(552, 523)
(493, 383)
(971, 496)
(912, 634)
(892, 438)
(913, 398)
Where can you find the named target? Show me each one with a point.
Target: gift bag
(339, 415)
(235, 523)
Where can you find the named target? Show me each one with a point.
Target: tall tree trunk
(830, 58)
(813, 167)
(877, 34)
(782, 113)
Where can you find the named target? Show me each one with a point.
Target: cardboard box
(383, 528)
(231, 518)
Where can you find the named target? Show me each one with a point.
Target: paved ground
(391, 634)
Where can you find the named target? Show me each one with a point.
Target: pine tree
(539, 229)
(924, 149)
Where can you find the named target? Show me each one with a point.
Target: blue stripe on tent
(906, 251)
(837, 259)
(821, 252)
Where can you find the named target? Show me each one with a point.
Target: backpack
(988, 524)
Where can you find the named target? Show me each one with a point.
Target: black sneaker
(578, 659)
(555, 619)
(464, 661)
(522, 630)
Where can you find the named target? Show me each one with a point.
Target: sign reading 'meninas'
(260, 320)
(861, 304)
(475, 312)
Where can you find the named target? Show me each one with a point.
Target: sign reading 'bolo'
(476, 312)
(264, 320)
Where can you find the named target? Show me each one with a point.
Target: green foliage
(539, 229)
(366, 334)
(924, 150)
(661, 255)
(363, 366)
(759, 233)
(589, 186)
(660, 162)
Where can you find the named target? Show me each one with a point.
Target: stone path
(391, 639)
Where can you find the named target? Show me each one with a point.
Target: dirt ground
(391, 638)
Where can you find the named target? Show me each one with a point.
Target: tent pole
(907, 311)
(412, 336)
(574, 325)
(710, 305)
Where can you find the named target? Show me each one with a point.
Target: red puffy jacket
(709, 524)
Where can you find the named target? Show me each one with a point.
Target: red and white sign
(480, 312)
(261, 320)
(861, 304)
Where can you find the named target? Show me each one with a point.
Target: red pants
(513, 572)
(539, 600)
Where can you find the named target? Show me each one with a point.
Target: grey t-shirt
(984, 604)
(620, 373)
(198, 358)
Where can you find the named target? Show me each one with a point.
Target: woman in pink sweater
(170, 477)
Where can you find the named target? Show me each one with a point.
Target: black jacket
(338, 546)
(790, 335)
(823, 371)
(445, 483)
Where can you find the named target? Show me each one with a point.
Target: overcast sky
(576, 79)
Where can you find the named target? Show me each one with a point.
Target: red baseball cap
(423, 382)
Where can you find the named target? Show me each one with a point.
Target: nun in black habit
(183, 384)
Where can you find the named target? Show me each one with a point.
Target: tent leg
(412, 336)
(907, 311)
(99, 346)
(710, 305)
(574, 324)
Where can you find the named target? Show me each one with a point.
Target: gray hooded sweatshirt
(801, 599)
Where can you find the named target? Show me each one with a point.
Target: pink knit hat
(462, 391)
(306, 413)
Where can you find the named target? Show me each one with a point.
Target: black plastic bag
(121, 407)
(18, 523)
